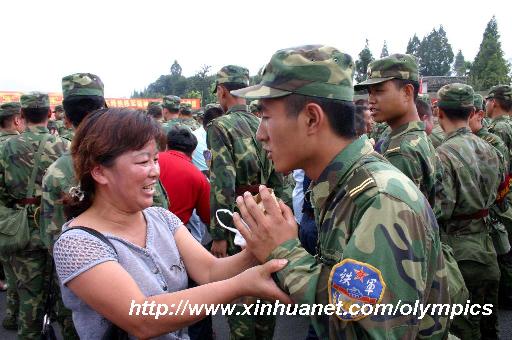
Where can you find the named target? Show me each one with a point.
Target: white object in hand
(239, 239)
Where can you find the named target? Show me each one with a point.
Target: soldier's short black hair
(77, 107)
(6, 121)
(340, 113)
(35, 115)
(506, 105)
(424, 109)
(181, 139)
(401, 83)
(155, 111)
(360, 124)
(211, 114)
(461, 113)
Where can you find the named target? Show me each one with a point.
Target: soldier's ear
(314, 117)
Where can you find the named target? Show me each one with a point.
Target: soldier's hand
(258, 281)
(219, 248)
(268, 229)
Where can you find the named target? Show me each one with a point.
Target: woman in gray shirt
(143, 264)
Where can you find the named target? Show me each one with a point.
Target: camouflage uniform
(171, 103)
(189, 122)
(469, 186)
(407, 147)
(12, 300)
(437, 135)
(502, 127)
(238, 162)
(375, 227)
(31, 265)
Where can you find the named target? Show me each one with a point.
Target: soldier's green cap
(154, 104)
(310, 70)
(395, 66)
(82, 84)
(9, 109)
(254, 106)
(478, 101)
(186, 108)
(454, 96)
(232, 74)
(58, 108)
(171, 102)
(34, 100)
(425, 98)
(500, 92)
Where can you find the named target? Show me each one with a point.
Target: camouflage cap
(82, 84)
(425, 98)
(171, 102)
(9, 109)
(212, 105)
(395, 66)
(310, 70)
(186, 108)
(232, 74)
(500, 92)
(34, 100)
(454, 96)
(478, 101)
(154, 104)
(254, 106)
(58, 108)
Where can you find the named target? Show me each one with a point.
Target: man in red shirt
(186, 186)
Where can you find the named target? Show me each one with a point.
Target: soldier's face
(130, 181)
(386, 101)
(281, 134)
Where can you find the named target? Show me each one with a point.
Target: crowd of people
(391, 193)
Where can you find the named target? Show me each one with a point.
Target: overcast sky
(129, 44)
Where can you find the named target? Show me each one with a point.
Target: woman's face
(131, 181)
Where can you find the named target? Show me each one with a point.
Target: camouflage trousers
(253, 327)
(482, 281)
(31, 269)
(12, 301)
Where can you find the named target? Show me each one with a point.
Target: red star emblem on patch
(360, 274)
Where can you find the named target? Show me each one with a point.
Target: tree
(384, 52)
(413, 46)
(176, 69)
(435, 54)
(489, 67)
(365, 58)
(459, 67)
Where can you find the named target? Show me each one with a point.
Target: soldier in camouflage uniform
(471, 176)
(393, 88)
(238, 164)
(186, 117)
(171, 112)
(11, 124)
(437, 135)
(498, 104)
(374, 224)
(32, 264)
(155, 110)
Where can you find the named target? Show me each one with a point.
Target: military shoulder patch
(354, 283)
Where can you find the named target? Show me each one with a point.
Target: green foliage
(435, 54)
(384, 52)
(413, 46)
(365, 58)
(490, 67)
(459, 66)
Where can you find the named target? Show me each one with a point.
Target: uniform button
(164, 288)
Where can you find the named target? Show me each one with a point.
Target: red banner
(137, 103)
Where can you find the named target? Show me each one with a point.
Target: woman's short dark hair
(77, 107)
(181, 139)
(35, 115)
(103, 136)
(461, 113)
(340, 113)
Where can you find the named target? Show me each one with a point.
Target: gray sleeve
(77, 251)
(172, 221)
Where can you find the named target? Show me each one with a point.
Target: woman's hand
(257, 281)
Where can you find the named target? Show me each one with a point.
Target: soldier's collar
(407, 127)
(459, 131)
(37, 129)
(234, 108)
